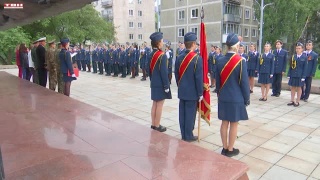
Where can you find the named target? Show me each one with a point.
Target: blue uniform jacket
(170, 61)
(267, 64)
(122, 57)
(312, 63)
(159, 76)
(143, 59)
(253, 61)
(78, 55)
(95, 55)
(127, 57)
(236, 88)
(87, 58)
(215, 60)
(191, 83)
(210, 60)
(82, 54)
(300, 71)
(65, 61)
(280, 64)
(245, 56)
(115, 56)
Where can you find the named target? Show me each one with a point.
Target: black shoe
(277, 95)
(261, 99)
(291, 103)
(232, 153)
(143, 79)
(108, 75)
(160, 128)
(251, 91)
(132, 77)
(273, 95)
(224, 151)
(302, 98)
(296, 104)
(153, 127)
(195, 138)
(305, 100)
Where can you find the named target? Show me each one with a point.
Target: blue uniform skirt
(264, 78)
(158, 94)
(232, 111)
(67, 78)
(252, 73)
(295, 82)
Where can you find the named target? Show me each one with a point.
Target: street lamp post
(262, 6)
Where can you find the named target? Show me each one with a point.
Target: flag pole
(199, 108)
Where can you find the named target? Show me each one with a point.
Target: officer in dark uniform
(137, 56)
(115, 55)
(143, 61)
(87, 59)
(253, 65)
(297, 74)
(122, 62)
(233, 94)
(127, 57)
(266, 70)
(94, 60)
(197, 49)
(189, 79)
(66, 67)
(78, 57)
(210, 66)
(280, 66)
(311, 70)
(100, 60)
(83, 59)
(159, 82)
(217, 56)
(169, 55)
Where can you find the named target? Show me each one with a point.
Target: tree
(9, 40)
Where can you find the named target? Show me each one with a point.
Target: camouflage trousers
(53, 80)
(60, 82)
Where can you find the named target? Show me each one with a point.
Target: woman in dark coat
(66, 66)
(159, 81)
(233, 94)
(24, 62)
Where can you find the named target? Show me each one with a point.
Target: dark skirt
(295, 82)
(252, 73)
(264, 78)
(231, 111)
(67, 78)
(158, 94)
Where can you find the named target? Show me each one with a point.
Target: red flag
(205, 103)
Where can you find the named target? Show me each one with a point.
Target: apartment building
(134, 20)
(220, 17)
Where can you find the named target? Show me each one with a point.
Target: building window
(247, 15)
(130, 12)
(181, 15)
(140, 36)
(246, 32)
(240, 12)
(194, 30)
(232, 9)
(254, 33)
(139, 25)
(180, 32)
(194, 13)
(254, 15)
(231, 28)
(130, 36)
(139, 1)
(139, 13)
(130, 24)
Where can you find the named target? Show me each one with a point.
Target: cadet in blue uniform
(115, 55)
(83, 59)
(127, 57)
(87, 59)
(197, 49)
(311, 70)
(210, 66)
(216, 58)
(242, 53)
(66, 66)
(137, 56)
(106, 57)
(297, 74)
(94, 60)
(143, 61)
(134, 57)
(78, 57)
(280, 66)
(169, 55)
(189, 79)
(159, 82)
(266, 69)
(253, 65)
(122, 62)
(233, 94)
(100, 60)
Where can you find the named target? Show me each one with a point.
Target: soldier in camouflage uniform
(59, 73)
(52, 65)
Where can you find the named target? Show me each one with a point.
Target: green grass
(317, 76)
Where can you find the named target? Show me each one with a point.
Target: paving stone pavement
(277, 142)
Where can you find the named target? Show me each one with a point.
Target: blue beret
(232, 39)
(299, 44)
(190, 36)
(156, 36)
(66, 40)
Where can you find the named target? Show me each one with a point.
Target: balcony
(233, 18)
(107, 15)
(237, 2)
(108, 3)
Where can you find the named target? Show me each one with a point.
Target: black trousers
(124, 70)
(128, 68)
(306, 88)
(109, 68)
(79, 64)
(94, 66)
(105, 64)
(100, 65)
(116, 69)
(43, 75)
(83, 64)
(276, 83)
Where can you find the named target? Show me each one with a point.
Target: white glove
(288, 77)
(302, 79)
(167, 90)
(200, 98)
(271, 75)
(208, 74)
(73, 75)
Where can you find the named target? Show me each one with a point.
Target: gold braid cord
(261, 59)
(293, 63)
(204, 115)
